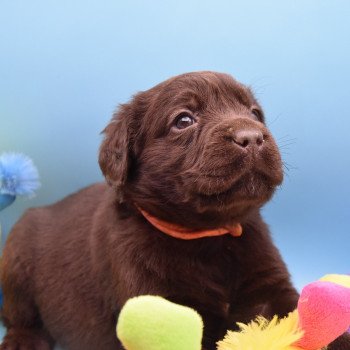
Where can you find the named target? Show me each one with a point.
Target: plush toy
(18, 177)
(323, 314)
(153, 323)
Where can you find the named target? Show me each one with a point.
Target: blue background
(65, 65)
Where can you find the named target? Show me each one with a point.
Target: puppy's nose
(248, 137)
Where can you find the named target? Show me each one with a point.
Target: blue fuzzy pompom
(18, 175)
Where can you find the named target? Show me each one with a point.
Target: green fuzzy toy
(153, 323)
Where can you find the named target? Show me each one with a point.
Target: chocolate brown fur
(68, 268)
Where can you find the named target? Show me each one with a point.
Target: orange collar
(181, 232)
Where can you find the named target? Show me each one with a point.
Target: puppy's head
(193, 150)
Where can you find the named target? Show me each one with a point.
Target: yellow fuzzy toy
(265, 335)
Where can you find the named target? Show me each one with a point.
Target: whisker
(286, 146)
(288, 166)
(273, 121)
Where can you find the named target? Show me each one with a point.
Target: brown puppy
(193, 151)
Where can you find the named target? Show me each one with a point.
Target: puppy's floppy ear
(115, 157)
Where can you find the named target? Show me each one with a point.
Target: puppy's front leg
(274, 296)
(265, 286)
(266, 292)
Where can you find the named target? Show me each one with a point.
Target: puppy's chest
(209, 271)
(199, 272)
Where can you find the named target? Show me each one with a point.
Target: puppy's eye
(184, 120)
(257, 114)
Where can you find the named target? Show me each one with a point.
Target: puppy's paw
(342, 343)
(19, 339)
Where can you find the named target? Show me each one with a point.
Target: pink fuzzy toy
(324, 311)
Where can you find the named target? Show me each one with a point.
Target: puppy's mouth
(250, 186)
(228, 189)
